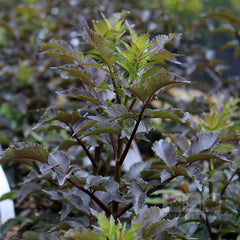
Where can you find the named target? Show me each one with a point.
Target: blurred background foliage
(210, 46)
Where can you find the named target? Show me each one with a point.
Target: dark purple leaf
(171, 113)
(59, 163)
(136, 169)
(28, 189)
(66, 209)
(181, 141)
(76, 198)
(25, 153)
(165, 174)
(166, 151)
(149, 216)
(138, 196)
(202, 142)
(207, 155)
(79, 94)
(64, 117)
(195, 173)
(104, 184)
(119, 111)
(97, 75)
(145, 91)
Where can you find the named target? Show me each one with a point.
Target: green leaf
(112, 27)
(104, 223)
(132, 232)
(25, 153)
(228, 135)
(114, 231)
(142, 42)
(132, 32)
(169, 191)
(128, 55)
(98, 41)
(212, 120)
(30, 235)
(9, 195)
(84, 236)
(101, 26)
(127, 65)
(155, 201)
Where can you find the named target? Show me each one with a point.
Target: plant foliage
(109, 85)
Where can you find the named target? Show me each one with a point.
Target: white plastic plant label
(7, 210)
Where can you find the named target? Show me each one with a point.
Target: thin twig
(149, 192)
(160, 186)
(114, 145)
(132, 104)
(208, 227)
(81, 143)
(95, 199)
(229, 181)
(124, 209)
(128, 145)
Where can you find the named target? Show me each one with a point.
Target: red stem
(95, 199)
(149, 192)
(128, 145)
(114, 145)
(94, 164)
